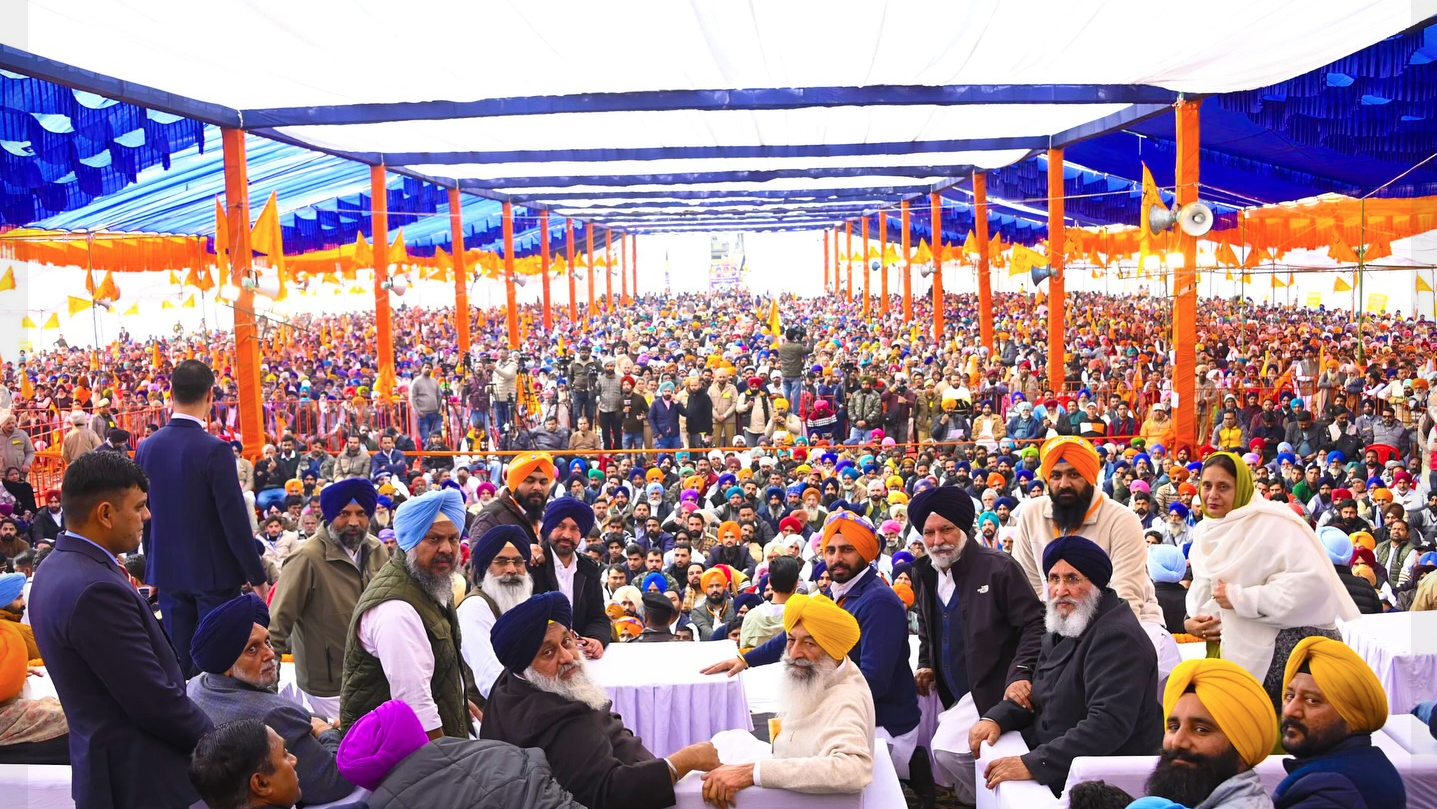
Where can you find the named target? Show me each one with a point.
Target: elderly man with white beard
(980, 627)
(545, 699)
(1095, 687)
(404, 640)
(500, 565)
(824, 743)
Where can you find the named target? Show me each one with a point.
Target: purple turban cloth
(221, 637)
(377, 741)
(1083, 554)
(519, 633)
(337, 496)
(565, 507)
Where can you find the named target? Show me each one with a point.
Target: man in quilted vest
(404, 640)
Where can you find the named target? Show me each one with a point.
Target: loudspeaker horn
(1160, 218)
(1041, 274)
(1195, 219)
(926, 270)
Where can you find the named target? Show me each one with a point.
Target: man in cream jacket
(823, 740)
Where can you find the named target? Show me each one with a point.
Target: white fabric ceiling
(295, 65)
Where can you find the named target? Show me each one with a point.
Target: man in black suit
(50, 521)
(568, 520)
(132, 728)
(198, 546)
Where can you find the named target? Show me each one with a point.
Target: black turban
(221, 637)
(1083, 554)
(563, 507)
(659, 606)
(949, 502)
(337, 496)
(519, 633)
(493, 541)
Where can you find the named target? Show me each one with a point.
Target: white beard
(577, 688)
(507, 596)
(1077, 621)
(803, 686)
(944, 556)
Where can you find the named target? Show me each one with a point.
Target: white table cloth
(664, 700)
(883, 793)
(1401, 647)
(35, 786)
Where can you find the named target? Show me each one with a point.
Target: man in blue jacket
(664, 418)
(849, 547)
(198, 547)
(1331, 705)
(132, 728)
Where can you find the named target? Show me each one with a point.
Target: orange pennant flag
(222, 240)
(7, 281)
(266, 238)
(970, 245)
(1225, 257)
(1340, 252)
(1381, 248)
(107, 290)
(90, 282)
(26, 389)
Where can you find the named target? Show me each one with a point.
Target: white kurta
(829, 751)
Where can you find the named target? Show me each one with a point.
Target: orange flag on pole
(222, 241)
(266, 239)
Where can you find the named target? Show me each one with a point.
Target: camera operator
(503, 378)
(583, 376)
(792, 355)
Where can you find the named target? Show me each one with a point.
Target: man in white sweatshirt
(823, 739)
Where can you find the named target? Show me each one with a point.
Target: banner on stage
(726, 262)
(1314, 299)
(1377, 302)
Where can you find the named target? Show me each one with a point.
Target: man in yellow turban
(824, 737)
(1076, 505)
(1331, 704)
(849, 547)
(1220, 725)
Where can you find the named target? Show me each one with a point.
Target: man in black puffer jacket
(387, 752)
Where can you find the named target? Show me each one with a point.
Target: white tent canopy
(635, 110)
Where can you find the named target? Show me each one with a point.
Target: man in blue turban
(546, 699)
(405, 640)
(567, 524)
(1095, 686)
(499, 565)
(238, 671)
(323, 577)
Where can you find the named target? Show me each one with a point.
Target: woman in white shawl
(1261, 578)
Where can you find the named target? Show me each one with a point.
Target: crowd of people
(449, 557)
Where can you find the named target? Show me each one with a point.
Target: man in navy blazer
(132, 726)
(198, 548)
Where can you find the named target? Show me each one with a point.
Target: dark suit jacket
(1002, 623)
(590, 620)
(199, 537)
(1095, 695)
(132, 728)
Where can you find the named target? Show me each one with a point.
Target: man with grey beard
(319, 585)
(239, 669)
(824, 737)
(980, 627)
(499, 567)
(545, 699)
(1095, 690)
(404, 640)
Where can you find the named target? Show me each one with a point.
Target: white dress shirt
(565, 576)
(394, 633)
(476, 621)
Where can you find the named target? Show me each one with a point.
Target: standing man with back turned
(198, 545)
(132, 727)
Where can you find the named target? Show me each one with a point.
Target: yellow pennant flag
(175, 278)
(1340, 284)
(1024, 259)
(1422, 285)
(773, 317)
(1277, 281)
(189, 302)
(53, 322)
(134, 310)
(78, 305)
(970, 246)
(7, 281)
(27, 323)
(167, 305)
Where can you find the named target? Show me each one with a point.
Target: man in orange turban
(849, 546)
(521, 502)
(1076, 505)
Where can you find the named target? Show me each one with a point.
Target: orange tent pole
(1185, 294)
(907, 266)
(848, 234)
(866, 272)
(608, 270)
(246, 335)
(383, 319)
(461, 277)
(825, 262)
(935, 209)
(985, 279)
(837, 281)
(589, 239)
(544, 263)
(883, 259)
(634, 262)
(1057, 296)
(623, 269)
(509, 293)
(569, 248)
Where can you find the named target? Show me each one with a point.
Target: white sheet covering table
(883, 793)
(657, 689)
(1401, 647)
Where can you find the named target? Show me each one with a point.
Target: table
(1401, 647)
(884, 792)
(662, 697)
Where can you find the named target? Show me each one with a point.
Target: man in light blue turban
(404, 642)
